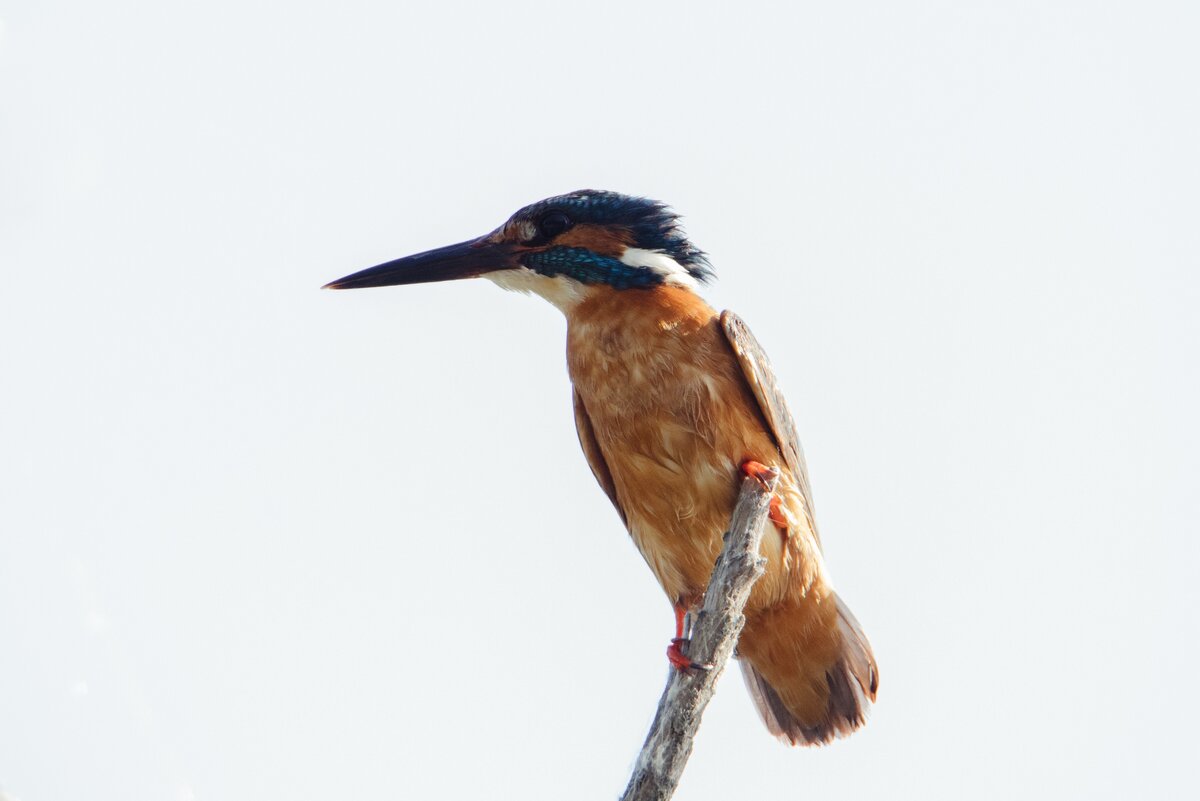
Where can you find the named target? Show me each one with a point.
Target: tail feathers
(846, 687)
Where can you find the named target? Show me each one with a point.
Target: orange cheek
(602, 241)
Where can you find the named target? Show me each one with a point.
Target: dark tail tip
(851, 682)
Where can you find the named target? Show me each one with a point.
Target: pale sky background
(259, 541)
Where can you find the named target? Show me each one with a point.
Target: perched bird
(673, 404)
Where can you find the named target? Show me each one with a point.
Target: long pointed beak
(464, 260)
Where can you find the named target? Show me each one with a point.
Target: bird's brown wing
(761, 378)
(595, 458)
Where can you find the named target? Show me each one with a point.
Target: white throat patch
(563, 292)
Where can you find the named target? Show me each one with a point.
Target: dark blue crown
(653, 225)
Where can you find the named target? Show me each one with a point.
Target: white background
(259, 541)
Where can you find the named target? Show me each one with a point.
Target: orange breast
(674, 420)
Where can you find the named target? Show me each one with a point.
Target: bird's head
(561, 248)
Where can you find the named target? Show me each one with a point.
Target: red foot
(759, 471)
(675, 655)
(777, 514)
(680, 661)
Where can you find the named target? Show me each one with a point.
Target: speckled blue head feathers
(637, 222)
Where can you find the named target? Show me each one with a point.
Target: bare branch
(720, 621)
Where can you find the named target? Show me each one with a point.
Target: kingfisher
(674, 404)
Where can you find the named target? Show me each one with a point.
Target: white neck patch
(660, 263)
(566, 293)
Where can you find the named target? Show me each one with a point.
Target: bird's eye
(553, 224)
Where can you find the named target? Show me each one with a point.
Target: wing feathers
(595, 458)
(756, 367)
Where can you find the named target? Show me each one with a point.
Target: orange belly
(674, 420)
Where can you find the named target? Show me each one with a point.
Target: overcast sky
(260, 541)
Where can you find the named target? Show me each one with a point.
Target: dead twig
(714, 635)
